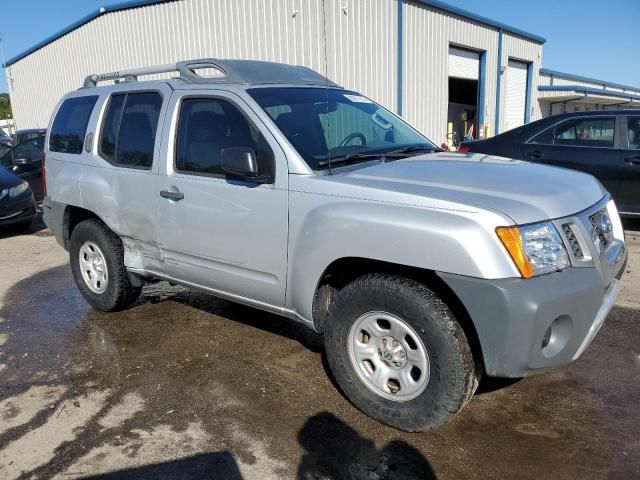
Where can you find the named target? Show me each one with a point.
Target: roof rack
(233, 71)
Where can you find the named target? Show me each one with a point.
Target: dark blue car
(604, 143)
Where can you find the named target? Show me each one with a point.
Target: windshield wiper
(351, 158)
(383, 156)
(414, 148)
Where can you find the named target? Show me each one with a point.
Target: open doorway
(464, 87)
(463, 108)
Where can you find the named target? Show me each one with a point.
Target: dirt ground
(187, 386)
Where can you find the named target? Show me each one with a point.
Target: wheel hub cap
(389, 356)
(93, 267)
(391, 352)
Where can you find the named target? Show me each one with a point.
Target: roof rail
(186, 70)
(233, 71)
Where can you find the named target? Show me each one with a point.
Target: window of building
(70, 125)
(129, 129)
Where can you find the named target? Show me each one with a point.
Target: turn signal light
(512, 241)
(463, 149)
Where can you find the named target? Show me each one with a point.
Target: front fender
(325, 229)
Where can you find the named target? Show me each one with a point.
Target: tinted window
(70, 125)
(544, 138)
(208, 125)
(586, 132)
(129, 129)
(633, 132)
(110, 128)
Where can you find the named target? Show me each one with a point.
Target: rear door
(628, 198)
(585, 143)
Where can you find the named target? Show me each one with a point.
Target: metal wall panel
(361, 48)
(428, 33)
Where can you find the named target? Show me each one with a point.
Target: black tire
(454, 374)
(119, 293)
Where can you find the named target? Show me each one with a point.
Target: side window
(208, 125)
(633, 132)
(129, 129)
(544, 138)
(586, 132)
(70, 125)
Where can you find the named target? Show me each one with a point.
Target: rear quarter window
(70, 125)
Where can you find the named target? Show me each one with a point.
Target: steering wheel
(351, 136)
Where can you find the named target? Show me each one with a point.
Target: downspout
(498, 82)
(399, 60)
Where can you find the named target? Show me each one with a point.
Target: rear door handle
(635, 160)
(171, 195)
(535, 154)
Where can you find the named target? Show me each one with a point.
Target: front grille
(570, 235)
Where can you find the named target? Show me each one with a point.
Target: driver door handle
(535, 154)
(171, 195)
(634, 160)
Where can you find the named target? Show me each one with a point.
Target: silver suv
(269, 185)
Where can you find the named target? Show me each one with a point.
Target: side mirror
(242, 162)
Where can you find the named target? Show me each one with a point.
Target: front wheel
(97, 264)
(398, 353)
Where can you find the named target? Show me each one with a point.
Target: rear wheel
(398, 353)
(97, 264)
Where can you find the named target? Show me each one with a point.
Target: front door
(217, 231)
(628, 200)
(585, 143)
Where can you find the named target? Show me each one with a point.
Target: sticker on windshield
(357, 98)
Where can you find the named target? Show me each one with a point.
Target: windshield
(330, 125)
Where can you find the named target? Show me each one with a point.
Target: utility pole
(7, 78)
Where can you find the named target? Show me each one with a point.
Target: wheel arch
(344, 270)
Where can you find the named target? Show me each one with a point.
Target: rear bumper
(530, 326)
(19, 210)
(53, 217)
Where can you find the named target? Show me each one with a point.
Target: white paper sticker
(357, 98)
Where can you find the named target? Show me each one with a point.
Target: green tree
(5, 106)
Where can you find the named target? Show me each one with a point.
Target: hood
(8, 179)
(526, 192)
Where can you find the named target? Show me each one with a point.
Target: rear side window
(544, 138)
(70, 125)
(586, 132)
(129, 129)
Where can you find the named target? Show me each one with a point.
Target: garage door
(464, 64)
(516, 98)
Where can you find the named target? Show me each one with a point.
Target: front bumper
(512, 316)
(18, 210)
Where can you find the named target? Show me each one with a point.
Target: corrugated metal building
(563, 92)
(435, 64)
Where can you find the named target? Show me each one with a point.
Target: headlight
(18, 189)
(535, 249)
